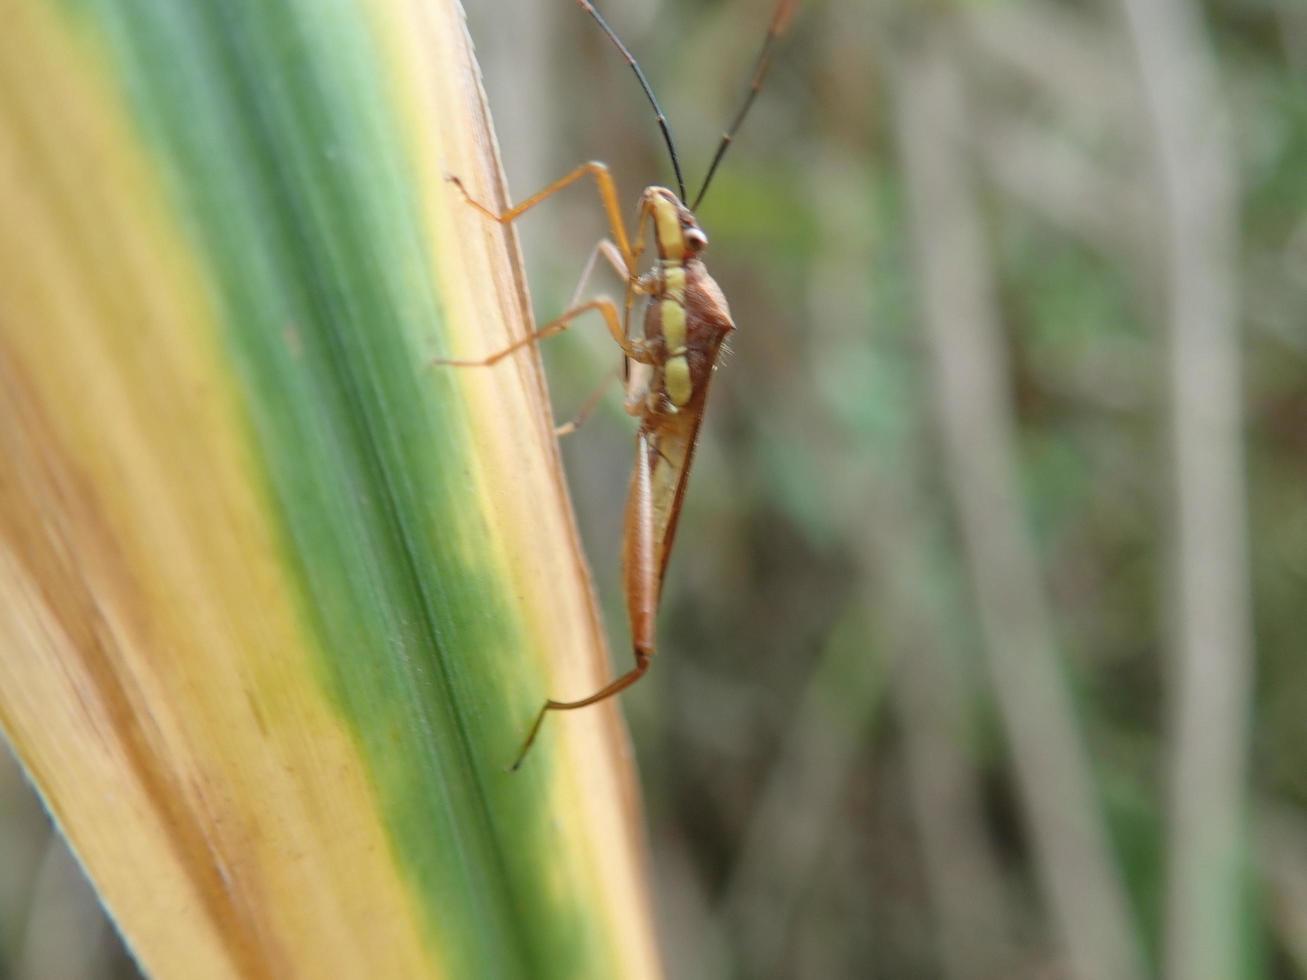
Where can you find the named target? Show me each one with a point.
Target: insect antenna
(780, 20)
(648, 90)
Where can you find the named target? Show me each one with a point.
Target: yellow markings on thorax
(676, 369)
(667, 228)
(671, 250)
(674, 282)
(674, 326)
(676, 374)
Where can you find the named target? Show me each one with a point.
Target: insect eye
(696, 239)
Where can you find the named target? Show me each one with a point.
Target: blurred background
(982, 647)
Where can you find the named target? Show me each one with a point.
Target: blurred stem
(964, 345)
(1211, 634)
(1076, 69)
(931, 698)
(1282, 853)
(1055, 181)
(793, 821)
(909, 596)
(1293, 31)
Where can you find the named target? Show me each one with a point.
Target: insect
(668, 368)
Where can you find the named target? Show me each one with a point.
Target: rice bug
(668, 369)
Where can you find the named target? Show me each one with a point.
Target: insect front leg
(639, 285)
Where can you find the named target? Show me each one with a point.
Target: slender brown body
(668, 431)
(669, 367)
(669, 370)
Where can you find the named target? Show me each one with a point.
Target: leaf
(277, 599)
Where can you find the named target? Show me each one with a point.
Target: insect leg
(587, 407)
(607, 196)
(639, 381)
(633, 349)
(642, 588)
(611, 254)
(616, 687)
(637, 284)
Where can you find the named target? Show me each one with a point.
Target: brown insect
(668, 368)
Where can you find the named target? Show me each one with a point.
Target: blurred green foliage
(820, 534)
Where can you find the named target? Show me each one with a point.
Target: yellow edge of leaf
(592, 790)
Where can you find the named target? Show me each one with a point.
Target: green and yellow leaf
(277, 599)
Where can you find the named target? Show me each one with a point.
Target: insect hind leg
(588, 406)
(607, 691)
